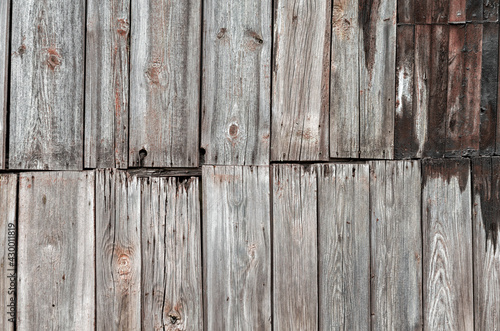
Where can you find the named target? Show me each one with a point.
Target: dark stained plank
(490, 10)
(236, 90)
(457, 11)
(447, 245)
(474, 10)
(165, 83)
(106, 84)
(433, 11)
(4, 74)
(301, 75)
(406, 11)
(56, 250)
(236, 209)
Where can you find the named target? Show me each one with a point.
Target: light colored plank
(237, 237)
(4, 74)
(56, 271)
(301, 77)
(165, 83)
(396, 245)
(236, 82)
(46, 92)
(118, 259)
(447, 245)
(171, 254)
(106, 84)
(295, 249)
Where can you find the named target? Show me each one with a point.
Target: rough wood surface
(118, 258)
(447, 245)
(396, 245)
(236, 207)
(295, 265)
(474, 10)
(301, 77)
(457, 11)
(46, 91)
(490, 10)
(406, 11)
(4, 74)
(344, 247)
(434, 11)
(56, 249)
(165, 83)
(236, 82)
(107, 84)
(171, 255)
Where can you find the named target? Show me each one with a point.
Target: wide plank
(4, 74)
(457, 11)
(406, 11)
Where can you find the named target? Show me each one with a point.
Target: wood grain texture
(301, 77)
(236, 90)
(118, 258)
(434, 11)
(490, 10)
(171, 254)
(447, 245)
(457, 11)
(107, 84)
(46, 92)
(165, 83)
(236, 208)
(56, 249)
(396, 245)
(295, 265)
(406, 11)
(4, 74)
(344, 247)
(474, 10)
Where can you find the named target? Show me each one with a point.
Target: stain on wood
(4, 75)
(434, 11)
(406, 11)
(474, 10)
(490, 10)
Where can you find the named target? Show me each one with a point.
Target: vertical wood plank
(4, 74)
(56, 272)
(433, 11)
(236, 82)
(457, 11)
(474, 10)
(447, 244)
(301, 77)
(406, 11)
(295, 268)
(118, 259)
(46, 92)
(237, 258)
(106, 84)
(490, 10)
(165, 83)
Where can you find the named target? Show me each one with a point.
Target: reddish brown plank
(406, 11)
(431, 11)
(457, 11)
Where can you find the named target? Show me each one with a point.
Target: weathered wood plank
(396, 245)
(46, 92)
(447, 245)
(344, 247)
(165, 83)
(56, 272)
(433, 11)
(406, 11)
(457, 11)
(377, 61)
(171, 254)
(490, 10)
(4, 74)
(236, 206)
(118, 259)
(106, 84)
(301, 78)
(486, 195)
(236, 82)
(295, 268)
(474, 10)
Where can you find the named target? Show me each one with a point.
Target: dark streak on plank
(490, 10)
(431, 11)
(4, 70)
(474, 10)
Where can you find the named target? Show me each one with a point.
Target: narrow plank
(344, 84)
(106, 84)
(301, 77)
(46, 92)
(171, 254)
(396, 245)
(8, 224)
(118, 259)
(295, 250)
(457, 11)
(490, 10)
(447, 244)
(344, 247)
(474, 10)
(165, 83)
(486, 195)
(434, 11)
(56, 249)
(377, 44)
(236, 206)
(236, 92)
(4, 75)
(406, 11)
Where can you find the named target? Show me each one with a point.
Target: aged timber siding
(4, 77)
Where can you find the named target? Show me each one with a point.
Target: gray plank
(236, 82)
(106, 84)
(295, 265)
(344, 247)
(118, 258)
(171, 254)
(56, 272)
(4, 74)
(46, 92)
(165, 83)
(396, 245)
(447, 245)
(237, 237)
(301, 77)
